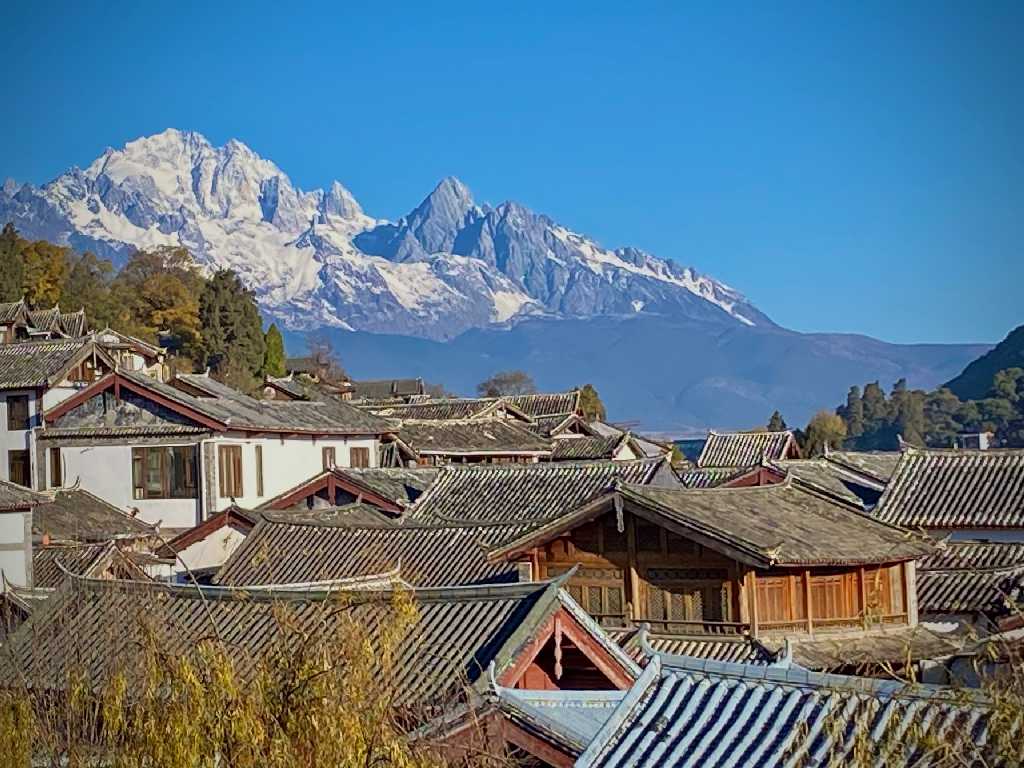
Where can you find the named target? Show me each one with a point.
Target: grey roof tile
(32, 364)
(77, 515)
(457, 634)
(956, 489)
(745, 449)
(720, 715)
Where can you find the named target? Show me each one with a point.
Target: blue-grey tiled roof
(685, 711)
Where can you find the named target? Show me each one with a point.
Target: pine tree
(88, 287)
(776, 423)
(591, 405)
(12, 268)
(854, 413)
(875, 408)
(273, 359)
(231, 336)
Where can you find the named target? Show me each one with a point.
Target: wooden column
(743, 598)
(807, 601)
(753, 602)
(634, 576)
(862, 576)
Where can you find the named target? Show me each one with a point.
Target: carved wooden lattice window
(601, 592)
(681, 599)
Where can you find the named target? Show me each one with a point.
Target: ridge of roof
(273, 592)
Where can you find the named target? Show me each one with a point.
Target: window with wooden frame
(56, 469)
(679, 598)
(781, 600)
(600, 591)
(834, 596)
(164, 472)
(17, 413)
(259, 470)
(17, 468)
(883, 592)
(328, 455)
(359, 457)
(229, 471)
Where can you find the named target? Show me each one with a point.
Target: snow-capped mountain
(316, 259)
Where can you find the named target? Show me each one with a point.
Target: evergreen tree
(875, 408)
(231, 336)
(776, 423)
(854, 413)
(12, 268)
(273, 359)
(88, 287)
(591, 405)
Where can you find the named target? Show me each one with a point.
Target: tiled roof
(548, 426)
(128, 430)
(878, 465)
(971, 576)
(50, 564)
(782, 524)
(282, 550)
(570, 719)
(710, 477)
(582, 448)
(77, 515)
(13, 496)
(451, 408)
(720, 715)
(102, 623)
(745, 449)
(239, 411)
(545, 403)
(478, 436)
(381, 389)
(640, 644)
(956, 489)
(971, 555)
(108, 337)
(33, 364)
(403, 486)
(831, 478)
(877, 649)
(11, 310)
(520, 493)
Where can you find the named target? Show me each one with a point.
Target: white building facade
(179, 458)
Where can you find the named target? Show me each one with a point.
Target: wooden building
(772, 559)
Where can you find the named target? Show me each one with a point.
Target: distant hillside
(976, 380)
(669, 375)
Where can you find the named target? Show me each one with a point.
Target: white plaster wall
(15, 547)
(57, 395)
(17, 440)
(106, 471)
(286, 463)
(210, 552)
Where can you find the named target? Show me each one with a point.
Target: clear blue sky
(850, 169)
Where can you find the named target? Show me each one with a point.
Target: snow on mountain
(316, 259)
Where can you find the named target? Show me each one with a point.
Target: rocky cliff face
(316, 259)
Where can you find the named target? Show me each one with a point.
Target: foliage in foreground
(314, 700)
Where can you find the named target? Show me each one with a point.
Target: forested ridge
(159, 296)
